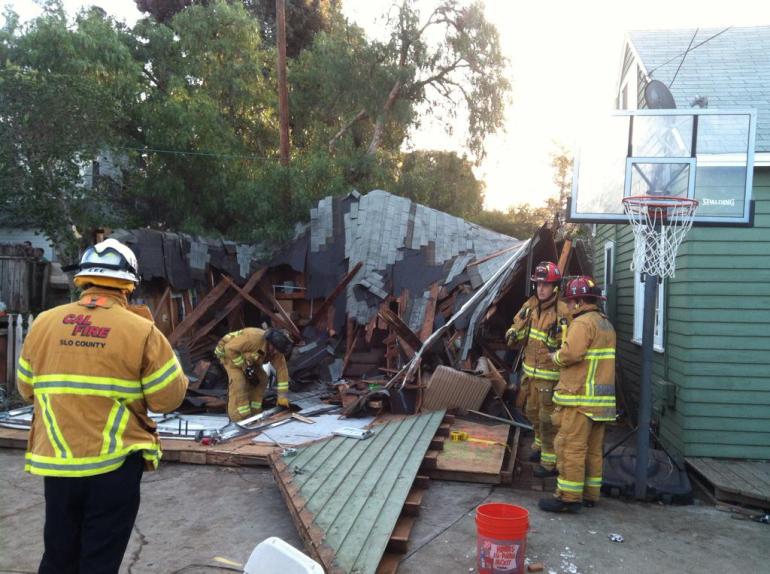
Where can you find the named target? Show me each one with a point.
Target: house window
(639, 312)
(609, 265)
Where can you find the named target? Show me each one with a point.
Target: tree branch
(358, 117)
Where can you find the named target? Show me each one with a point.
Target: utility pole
(283, 92)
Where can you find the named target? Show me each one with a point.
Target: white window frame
(660, 305)
(609, 266)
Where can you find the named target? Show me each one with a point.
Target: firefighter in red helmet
(585, 399)
(539, 326)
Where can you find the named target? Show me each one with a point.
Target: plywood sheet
(471, 461)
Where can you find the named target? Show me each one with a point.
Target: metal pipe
(413, 362)
(645, 388)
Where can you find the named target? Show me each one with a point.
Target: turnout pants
(539, 410)
(88, 520)
(579, 456)
(244, 398)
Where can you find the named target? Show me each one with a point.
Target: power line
(687, 51)
(199, 153)
(656, 68)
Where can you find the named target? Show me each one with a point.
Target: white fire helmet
(109, 258)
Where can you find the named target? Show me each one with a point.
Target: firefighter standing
(539, 325)
(585, 399)
(243, 353)
(93, 368)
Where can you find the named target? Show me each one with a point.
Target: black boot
(541, 472)
(534, 456)
(589, 503)
(552, 504)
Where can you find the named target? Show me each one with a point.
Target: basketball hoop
(660, 224)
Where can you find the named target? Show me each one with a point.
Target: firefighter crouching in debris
(93, 368)
(539, 325)
(243, 353)
(585, 399)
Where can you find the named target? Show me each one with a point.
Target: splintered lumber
(430, 313)
(348, 497)
(401, 329)
(196, 314)
(321, 311)
(274, 317)
(231, 306)
(282, 312)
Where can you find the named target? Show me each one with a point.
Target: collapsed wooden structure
(361, 287)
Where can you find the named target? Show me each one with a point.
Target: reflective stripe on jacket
(248, 347)
(543, 327)
(93, 369)
(587, 362)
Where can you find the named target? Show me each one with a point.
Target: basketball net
(660, 224)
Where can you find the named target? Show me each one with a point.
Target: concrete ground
(192, 514)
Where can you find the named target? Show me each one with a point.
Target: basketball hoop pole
(660, 224)
(645, 387)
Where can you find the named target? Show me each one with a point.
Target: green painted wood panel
(354, 490)
(716, 342)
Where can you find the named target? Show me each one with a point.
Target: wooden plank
(233, 305)
(274, 317)
(402, 329)
(163, 299)
(13, 438)
(430, 313)
(414, 501)
(205, 304)
(321, 311)
(389, 563)
(566, 254)
(399, 539)
(281, 312)
(727, 481)
(492, 255)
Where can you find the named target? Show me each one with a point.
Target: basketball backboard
(701, 154)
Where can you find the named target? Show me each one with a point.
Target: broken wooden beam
(401, 329)
(274, 317)
(321, 311)
(430, 313)
(231, 306)
(205, 304)
(566, 254)
(281, 312)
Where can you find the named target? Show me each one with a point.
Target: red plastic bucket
(502, 538)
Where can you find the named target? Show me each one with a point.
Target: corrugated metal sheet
(346, 495)
(448, 389)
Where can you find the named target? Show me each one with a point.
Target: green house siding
(716, 336)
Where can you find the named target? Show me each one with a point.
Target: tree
(385, 85)
(442, 180)
(518, 221)
(304, 18)
(205, 129)
(63, 88)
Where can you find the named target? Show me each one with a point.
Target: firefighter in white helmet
(93, 369)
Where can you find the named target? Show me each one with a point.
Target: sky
(564, 58)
